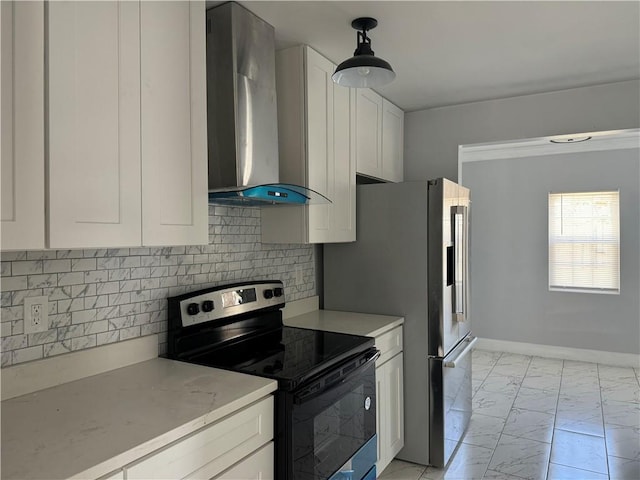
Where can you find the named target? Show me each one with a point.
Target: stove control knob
(207, 305)
(278, 292)
(193, 309)
(268, 294)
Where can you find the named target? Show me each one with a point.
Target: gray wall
(432, 136)
(521, 309)
(110, 295)
(510, 298)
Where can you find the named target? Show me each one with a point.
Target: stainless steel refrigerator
(411, 258)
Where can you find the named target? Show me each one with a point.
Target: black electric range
(288, 354)
(325, 403)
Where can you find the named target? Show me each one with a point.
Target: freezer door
(449, 401)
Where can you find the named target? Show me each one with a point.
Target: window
(584, 242)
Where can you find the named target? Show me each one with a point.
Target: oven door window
(331, 427)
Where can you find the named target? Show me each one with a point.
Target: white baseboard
(564, 353)
(33, 376)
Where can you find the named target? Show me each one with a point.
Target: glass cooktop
(288, 354)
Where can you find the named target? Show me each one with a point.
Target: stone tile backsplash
(100, 296)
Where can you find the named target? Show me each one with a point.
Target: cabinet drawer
(208, 452)
(389, 344)
(258, 466)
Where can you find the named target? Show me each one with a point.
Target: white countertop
(90, 427)
(365, 324)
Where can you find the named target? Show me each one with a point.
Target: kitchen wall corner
(104, 296)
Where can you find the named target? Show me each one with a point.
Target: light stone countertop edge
(115, 463)
(133, 411)
(353, 323)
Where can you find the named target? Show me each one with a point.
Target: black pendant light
(363, 69)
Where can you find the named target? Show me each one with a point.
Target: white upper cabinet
(174, 128)
(22, 102)
(379, 137)
(94, 124)
(368, 133)
(126, 93)
(392, 142)
(315, 144)
(331, 167)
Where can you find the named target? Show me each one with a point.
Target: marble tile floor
(542, 418)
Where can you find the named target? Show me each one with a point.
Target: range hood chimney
(242, 113)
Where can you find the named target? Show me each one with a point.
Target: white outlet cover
(29, 327)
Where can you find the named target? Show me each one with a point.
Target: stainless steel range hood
(242, 113)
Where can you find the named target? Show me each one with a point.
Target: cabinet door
(22, 101)
(174, 135)
(390, 410)
(368, 133)
(331, 165)
(395, 421)
(320, 154)
(392, 141)
(94, 124)
(381, 417)
(343, 208)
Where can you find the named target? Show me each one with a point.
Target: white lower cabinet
(258, 466)
(390, 395)
(390, 388)
(230, 442)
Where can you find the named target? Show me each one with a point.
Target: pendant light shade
(363, 69)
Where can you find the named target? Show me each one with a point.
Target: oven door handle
(308, 394)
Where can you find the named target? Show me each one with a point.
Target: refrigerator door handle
(461, 355)
(459, 234)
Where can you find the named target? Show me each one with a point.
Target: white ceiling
(452, 52)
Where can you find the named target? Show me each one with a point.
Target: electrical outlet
(36, 314)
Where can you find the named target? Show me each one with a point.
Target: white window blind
(584, 242)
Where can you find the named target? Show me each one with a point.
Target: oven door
(333, 417)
